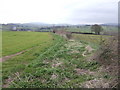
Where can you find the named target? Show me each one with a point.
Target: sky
(59, 11)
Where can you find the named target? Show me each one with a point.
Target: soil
(10, 56)
(96, 83)
(83, 71)
(88, 49)
(10, 80)
(57, 64)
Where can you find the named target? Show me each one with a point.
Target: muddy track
(16, 75)
(10, 56)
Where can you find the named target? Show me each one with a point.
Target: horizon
(38, 23)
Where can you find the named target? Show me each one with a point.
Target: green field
(87, 29)
(14, 42)
(93, 40)
(44, 41)
(53, 62)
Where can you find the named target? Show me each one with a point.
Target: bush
(107, 57)
(108, 52)
(69, 35)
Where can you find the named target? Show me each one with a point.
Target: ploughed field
(52, 61)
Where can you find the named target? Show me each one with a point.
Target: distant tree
(97, 29)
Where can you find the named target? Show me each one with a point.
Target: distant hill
(37, 24)
(45, 24)
(110, 24)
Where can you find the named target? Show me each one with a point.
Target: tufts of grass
(20, 62)
(92, 40)
(56, 69)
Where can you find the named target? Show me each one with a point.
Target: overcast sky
(59, 11)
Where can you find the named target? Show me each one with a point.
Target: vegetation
(97, 29)
(21, 60)
(93, 40)
(56, 68)
(81, 61)
(14, 42)
(0, 56)
(107, 56)
(84, 29)
(48, 28)
(0, 43)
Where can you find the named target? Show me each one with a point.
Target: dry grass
(96, 83)
(107, 56)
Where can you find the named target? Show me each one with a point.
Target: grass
(93, 40)
(0, 43)
(53, 65)
(87, 29)
(14, 42)
(19, 63)
(0, 56)
(55, 68)
(21, 60)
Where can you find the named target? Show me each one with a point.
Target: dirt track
(10, 56)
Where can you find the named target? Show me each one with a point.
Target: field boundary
(49, 49)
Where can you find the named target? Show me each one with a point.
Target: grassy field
(14, 42)
(54, 62)
(19, 63)
(93, 40)
(87, 29)
(56, 68)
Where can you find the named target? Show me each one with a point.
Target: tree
(97, 29)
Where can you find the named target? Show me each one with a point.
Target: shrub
(107, 56)
(69, 35)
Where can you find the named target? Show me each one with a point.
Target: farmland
(26, 57)
(59, 44)
(93, 40)
(14, 42)
(51, 61)
(87, 29)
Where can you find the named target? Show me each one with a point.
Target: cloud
(59, 11)
(106, 12)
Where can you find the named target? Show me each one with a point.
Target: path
(10, 56)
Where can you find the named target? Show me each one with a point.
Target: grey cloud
(100, 13)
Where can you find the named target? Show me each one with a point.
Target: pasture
(14, 42)
(87, 29)
(52, 61)
(93, 40)
(18, 63)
